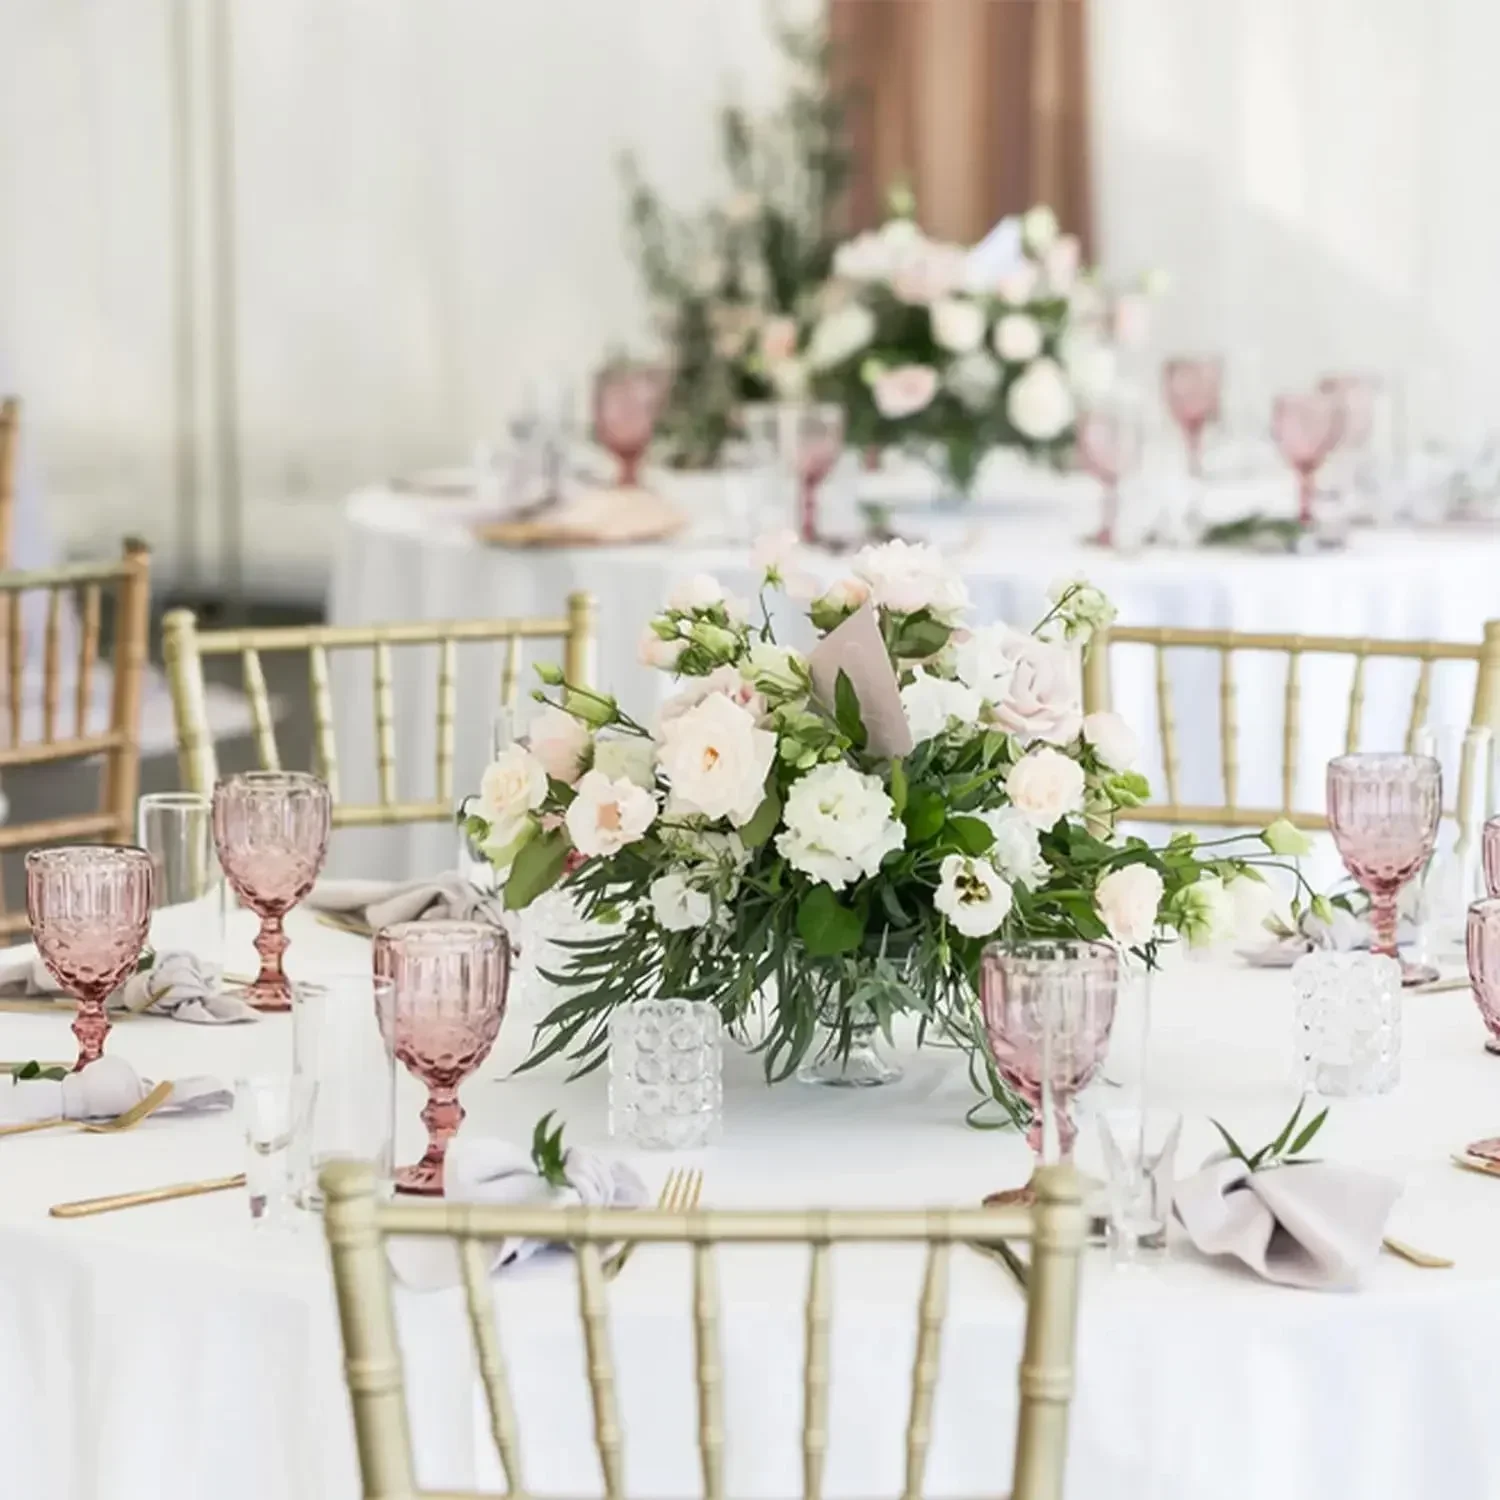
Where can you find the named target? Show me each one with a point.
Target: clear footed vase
(848, 1055)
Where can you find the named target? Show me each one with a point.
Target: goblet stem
(1193, 434)
(1305, 492)
(1105, 537)
(270, 990)
(442, 1115)
(807, 507)
(630, 468)
(90, 1026)
(1383, 924)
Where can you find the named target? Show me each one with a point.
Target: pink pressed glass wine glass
(271, 829)
(1306, 428)
(1193, 388)
(817, 442)
(1383, 812)
(1482, 940)
(1109, 448)
(1490, 847)
(449, 981)
(90, 909)
(627, 402)
(1048, 1007)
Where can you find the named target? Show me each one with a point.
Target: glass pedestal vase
(849, 1056)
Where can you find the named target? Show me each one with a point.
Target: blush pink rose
(905, 391)
(1042, 701)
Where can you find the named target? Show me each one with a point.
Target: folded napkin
(491, 1171)
(176, 985)
(383, 903)
(1311, 1224)
(1345, 933)
(104, 1089)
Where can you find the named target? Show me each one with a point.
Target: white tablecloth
(409, 557)
(174, 1350)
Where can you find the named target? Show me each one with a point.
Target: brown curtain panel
(979, 106)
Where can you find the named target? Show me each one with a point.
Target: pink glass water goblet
(817, 440)
(1109, 449)
(1193, 387)
(1306, 428)
(1048, 1006)
(1482, 941)
(271, 829)
(1383, 812)
(450, 982)
(1490, 855)
(90, 910)
(628, 400)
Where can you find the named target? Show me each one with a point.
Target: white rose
(560, 742)
(1041, 700)
(725, 680)
(984, 659)
(778, 671)
(1017, 850)
(843, 597)
(972, 895)
(974, 379)
(904, 391)
(701, 591)
(626, 757)
(676, 906)
(1061, 264)
(1038, 228)
(932, 703)
(928, 274)
(513, 785)
(1128, 900)
(717, 760)
(839, 336)
(653, 651)
(1091, 365)
(1018, 338)
(1045, 785)
(957, 324)
(1039, 403)
(905, 577)
(1018, 286)
(839, 824)
(606, 815)
(1082, 609)
(1114, 741)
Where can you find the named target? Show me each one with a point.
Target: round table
(405, 556)
(177, 1350)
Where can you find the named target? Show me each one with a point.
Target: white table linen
(175, 1350)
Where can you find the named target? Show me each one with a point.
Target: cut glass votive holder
(1348, 1022)
(666, 1085)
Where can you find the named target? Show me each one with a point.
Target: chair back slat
(10, 442)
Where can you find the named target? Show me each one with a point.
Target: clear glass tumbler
(274, 1111)
(1140, 1156)
(666, 1089)
(1348, 1022)
(177, 830)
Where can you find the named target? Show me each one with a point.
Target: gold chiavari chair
(357, 1224)
(185, 647)
(10, 429)
(129, 583)
(1230, 645)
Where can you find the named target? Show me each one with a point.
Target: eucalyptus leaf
(538, 867)
(826, 926)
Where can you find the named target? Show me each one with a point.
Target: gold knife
(86, 1206)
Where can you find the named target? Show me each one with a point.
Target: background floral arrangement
(759, 844)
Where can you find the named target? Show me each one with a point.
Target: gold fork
(679, 1194)
(132, 1116)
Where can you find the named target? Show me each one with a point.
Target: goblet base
(268, 994)
(1020, 1197)
(1104, 537)
(863, 1066)
(1492, 1045)
(423, 1179)
(1413, 973)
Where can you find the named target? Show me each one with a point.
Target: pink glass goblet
(1306, 428)
(271, 829)
(1048, 1007)
(817, 441)
(450, 981)
(628, 399)
(1383, 812)
(1490, 848)
(90, 909)
(1193, 388)
(1109, 448)
(1482, 940)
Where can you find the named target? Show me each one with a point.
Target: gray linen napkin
(1312, 1224)
(382, 903)
(492, 1171)
(106, 1088)
(176, 985)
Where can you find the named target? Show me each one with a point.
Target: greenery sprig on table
(1285, 1150)
(547, 1153)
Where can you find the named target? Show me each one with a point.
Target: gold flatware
(124, 1121)
(86, 1206)
(999, 1250)
(63, 1005)
(1437, 986)
(1416, 1257)
(1476, 1164)
(343, 921)
(679, 1194)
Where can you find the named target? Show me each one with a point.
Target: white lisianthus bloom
(676, 906)
(904, 391)
(606, 815)
(1046, 785)
(1039, 402)
(717, 760)
(1128, 900)
(1285, 838)
(932, 272)
(701, 591)
(905, 577)
(726, 680)
(972, 895)
(1205, 912)
(1091, 365)
(1017, 850)
(867, 257)
(957, 324)
(653, 651)
(838, 825)
(1061, 264)
(1018, 286)
(840, 335)
(1082, 609)
(984, 660)
(933, 703)
(1041, 700)
(974, 379)
(1039, 228)
(778, 672)
(1018, 338)
(626, 757)
(1113, 740)
(513, 785)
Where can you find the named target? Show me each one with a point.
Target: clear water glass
(666, 1088)
(1140, 1168)
(177, 830)
(1454, 877)
(1348, 1022)
(274, 1111)
(339, 1024)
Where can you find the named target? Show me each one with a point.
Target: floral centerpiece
(834, 837)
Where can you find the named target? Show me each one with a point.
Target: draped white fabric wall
(1317, 175)
(428, 216)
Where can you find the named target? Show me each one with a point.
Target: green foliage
(547, 1154)
(1285, 1150)
(826, 926)
(538, 867)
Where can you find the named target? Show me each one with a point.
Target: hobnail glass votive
(666, 1087)
(1348, 1022)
